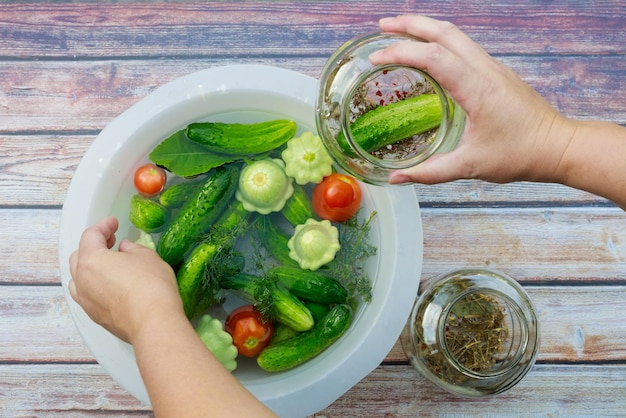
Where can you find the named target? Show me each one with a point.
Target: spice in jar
(473, 332)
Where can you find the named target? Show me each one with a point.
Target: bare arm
(133, 294)
(182, 376)
(512, 133)
(595, 160)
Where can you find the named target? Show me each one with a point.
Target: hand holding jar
(509, 128)
(511, 133)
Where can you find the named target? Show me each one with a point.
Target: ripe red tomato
(251, 334)
(337, 197)
(150, 179)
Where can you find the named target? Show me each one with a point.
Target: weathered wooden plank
(566, 335)
(85, 96)
(82, 390)
(28, 246)
(534, 245)
(36, 326)
(575, 330)
(545, 391)
(82, 414)
(398, 391)
(313, 27)
(476, 193)
(37, 170)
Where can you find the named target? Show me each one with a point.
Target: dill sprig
(349, 264)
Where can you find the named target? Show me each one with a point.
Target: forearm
(594, 160)
(183, 378)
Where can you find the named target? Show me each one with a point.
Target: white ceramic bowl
(102, 185)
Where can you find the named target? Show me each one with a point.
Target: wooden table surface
(67, 69)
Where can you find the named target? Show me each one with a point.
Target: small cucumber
(294, 351)
(282, 333)
(198, 213)
(282, 305)
(146, 214)
(177, 194)
(318, 310)
(275, 240)
(386, 125)
(195, 287)
(298, 207)
(248, 286)
(190, 277)
(241, 138)
(290, 310)
(310, 285)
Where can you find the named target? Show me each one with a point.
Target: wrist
(157, 321)
(550, 163)
(593, 160)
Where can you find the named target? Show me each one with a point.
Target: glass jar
(473, 332)
(350, 87)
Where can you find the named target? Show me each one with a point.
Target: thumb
(439, 168)
(72, 288)
(128, 246)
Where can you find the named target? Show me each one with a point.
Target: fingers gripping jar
(375, 119)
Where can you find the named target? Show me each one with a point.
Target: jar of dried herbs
(377, 118)
(473, 332)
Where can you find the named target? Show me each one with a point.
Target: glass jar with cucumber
(377, 118)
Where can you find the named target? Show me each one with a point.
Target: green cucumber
(310, 285)
(198, 213)
(282, 333)
(290, 310)
(146, 214)
(190, 277)
(251, 289)
(273, 301)
(195, 284)
(275, 240)
(298, 207)
(241, 138)
(318, 310)
(303, 347)
(177, 194)
(396, 121)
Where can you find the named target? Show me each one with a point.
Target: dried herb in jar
(476, 335)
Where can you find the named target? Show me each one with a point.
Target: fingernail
(385, 20)
(398, 177)
(375, 55)
(72, 288)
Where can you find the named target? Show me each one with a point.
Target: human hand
(511, 132)
(121, 290)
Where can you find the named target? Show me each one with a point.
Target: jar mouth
(495, 338)
(391, 83)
